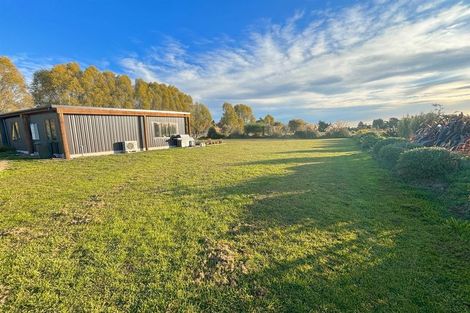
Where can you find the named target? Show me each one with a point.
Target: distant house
(73, 131)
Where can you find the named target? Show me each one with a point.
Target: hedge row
(408, 160)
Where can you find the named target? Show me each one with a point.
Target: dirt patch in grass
(3, 165)
(76, 218)
(241, 228)
(222, 263)
(4, 293)
(21, 233)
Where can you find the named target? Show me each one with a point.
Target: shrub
(338, 133)
(213, 133)
(387, 141)
(408, 125)
(337, 130)
(389, 154)
(307, 134)
(366, 131)
(255, 129)
(427, 163)
(369, 140)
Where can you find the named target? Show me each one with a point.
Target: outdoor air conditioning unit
(129, 146)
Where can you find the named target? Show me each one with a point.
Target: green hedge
(307, 134)
(388, 155)
(338, 133)
(427, 163)
(367, 141)
(387, 141)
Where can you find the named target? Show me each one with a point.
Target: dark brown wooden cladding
(27, 134)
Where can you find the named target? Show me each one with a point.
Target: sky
(316, 60)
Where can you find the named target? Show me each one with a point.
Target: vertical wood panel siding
(18, 144)
(162, 142)
(40, 120)
(3, 133)
(100, 133)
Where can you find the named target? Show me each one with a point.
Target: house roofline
(84, 110)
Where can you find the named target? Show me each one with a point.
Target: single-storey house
(73, 131)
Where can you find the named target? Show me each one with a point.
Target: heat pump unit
(129, 146)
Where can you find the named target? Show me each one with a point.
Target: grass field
(260, 225)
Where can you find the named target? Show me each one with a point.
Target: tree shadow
(319, 239)
(319, 150)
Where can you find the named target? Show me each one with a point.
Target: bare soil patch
(3, 165)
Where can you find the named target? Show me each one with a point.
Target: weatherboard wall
(99, 134)
(93, 134)
(162, 142)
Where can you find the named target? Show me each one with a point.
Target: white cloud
(391, 56)
(28, 65)
(140, 69)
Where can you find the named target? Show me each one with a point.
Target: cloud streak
(385, 58)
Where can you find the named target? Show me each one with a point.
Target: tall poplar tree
(13, 92)
(230, 123)
(141, 94)
(245, 113)
(201, 119)
(67, 84)
(124, 93)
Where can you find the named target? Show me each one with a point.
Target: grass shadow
(336, 234)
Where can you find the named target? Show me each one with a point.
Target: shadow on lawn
(324, 241)
(328, 149)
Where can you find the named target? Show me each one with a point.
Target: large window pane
(15, 131)
(34, 131)
(157, 132)
(51, 131)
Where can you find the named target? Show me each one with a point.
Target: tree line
(239, 121)
(405, 127)
(68, 84)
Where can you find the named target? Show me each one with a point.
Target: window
(51, 131)
(164, 129)
(15, 132)
(172, 129)
(34, 131)
(157, 131)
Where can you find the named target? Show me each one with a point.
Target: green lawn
(260, 225)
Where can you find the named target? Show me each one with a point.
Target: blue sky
(333, 60)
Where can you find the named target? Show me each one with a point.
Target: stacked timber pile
(450, 131)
